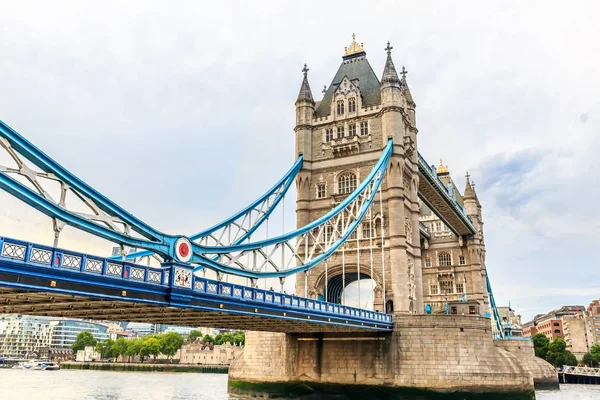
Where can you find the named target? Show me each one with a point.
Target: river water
(105, 385)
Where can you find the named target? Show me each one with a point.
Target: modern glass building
(64, 332)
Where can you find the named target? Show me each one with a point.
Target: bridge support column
(424, 353)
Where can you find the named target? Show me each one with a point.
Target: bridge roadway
(439, 199)
(41, 280)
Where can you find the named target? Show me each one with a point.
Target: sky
(183, 113)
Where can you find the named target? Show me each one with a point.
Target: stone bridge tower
(341, 137)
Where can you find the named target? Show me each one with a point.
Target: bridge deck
(40, 280)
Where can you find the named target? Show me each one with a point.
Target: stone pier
(441, 354)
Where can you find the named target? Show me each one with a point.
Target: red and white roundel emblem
(183, 249)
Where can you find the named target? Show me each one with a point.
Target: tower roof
(404, 86)
(442, 169)
(389, 71)
(305, 92)
(358, 70)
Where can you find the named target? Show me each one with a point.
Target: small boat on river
(36, 365)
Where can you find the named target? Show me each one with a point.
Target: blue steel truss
(34, 267)
(109, 221)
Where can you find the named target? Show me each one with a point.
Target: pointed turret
(389, 71)
(469, 193)
(305, 92)
(305, 111)
(405, 89)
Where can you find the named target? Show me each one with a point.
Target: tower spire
(389, 71)
(469, 193)
(305, 92)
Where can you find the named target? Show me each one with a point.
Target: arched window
(444, 259)
(346, 183)
(351, 104)
(340, 107)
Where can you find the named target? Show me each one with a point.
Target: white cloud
(184, 113)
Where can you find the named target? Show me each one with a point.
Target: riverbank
(142, 367)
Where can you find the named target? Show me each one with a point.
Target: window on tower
(346, 183)
(428, 262)
(328, 134)
(340, 107)
(462, 260)
(321, 191)
(366, 230)
(444, 259)
(352, 129)
(433, 289)
(364, 128)
(446, 287)
(340, 132)
(460, 288)
(352, 104)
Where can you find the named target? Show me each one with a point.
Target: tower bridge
(368, 206)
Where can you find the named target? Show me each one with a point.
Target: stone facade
(442, 353)
(207, 354)
(341, 138)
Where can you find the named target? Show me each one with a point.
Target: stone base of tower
(437, 354)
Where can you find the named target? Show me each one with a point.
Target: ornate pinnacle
(389, 49)
(305, 69)
(403, 73)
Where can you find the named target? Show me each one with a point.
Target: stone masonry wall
(544, 374)
(441, 353)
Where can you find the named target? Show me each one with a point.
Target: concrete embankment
(139, 367)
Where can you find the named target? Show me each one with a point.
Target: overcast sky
(183, 112)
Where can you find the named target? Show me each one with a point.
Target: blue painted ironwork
(366, 192)
(278, 191)
(423, 230)
(430, 174)
(495, 315)
(30, 259)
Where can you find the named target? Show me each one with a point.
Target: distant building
(550, 324)
(22, 335)
(208, 354)
(87, 354)
(578, 335)
(511, 322)
(64, 331)
(594, 321)
(139, 329)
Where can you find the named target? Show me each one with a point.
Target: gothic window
(461, 260)
(328, 232)
(444, 260)
(460, 288)
(321, 191)
(446, 287)
(328, 134)
(433, 289)
(340, 132)
(428, 262)
(346, 183)
(364, 128)
(438, 226)
(366, 230)
(351, 129)
(353, 235)
(351, 104)
(340, 107)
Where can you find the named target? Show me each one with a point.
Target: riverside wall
(435, 353)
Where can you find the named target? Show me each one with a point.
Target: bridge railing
(32, 254)
(581, 371)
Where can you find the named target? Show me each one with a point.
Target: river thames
(105, 385)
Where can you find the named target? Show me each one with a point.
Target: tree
(120, 347)
(540, 344)
(218, 339)
(133, 348)
(239, 338)
(208, 339)
(105, 348)
(194, 334)
(150, 347)
(169, 343)
(595, 353)
(588, 360)
(558, 355)
(83, 340)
